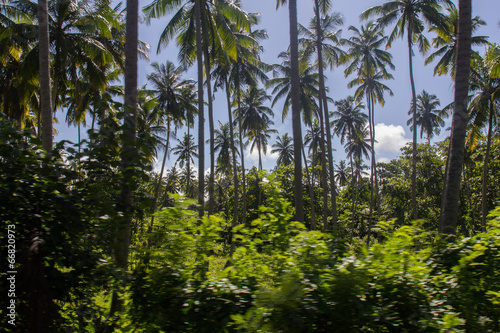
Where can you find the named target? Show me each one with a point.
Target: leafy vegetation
(104, 243)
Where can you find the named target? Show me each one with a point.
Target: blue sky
(391, 130)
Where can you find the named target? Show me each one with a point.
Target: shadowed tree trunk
(414, 111)
(451, 191)
(122, 241)
(296, 121)
(44, 63)
(201, 115)
(211, 130)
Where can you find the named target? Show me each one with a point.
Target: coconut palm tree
(483, 111)
(210, 33)
(122, 240)
(446, 43)
(187, 150)
(341, 173)
(349, 119)
(177, 104)
(224, 146)
(44, 68)
(322, 38)
(409, 17)
(429, 118)
(295, 101)
(284, 148)
(451, 188)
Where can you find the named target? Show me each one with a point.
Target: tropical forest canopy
(126, 230)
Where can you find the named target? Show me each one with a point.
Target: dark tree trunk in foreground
(296, 122)
(451, 189)
(122, 241)
(44, 63)
(201, 115)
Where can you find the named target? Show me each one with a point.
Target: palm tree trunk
(369, 101)
(235, 169)
(122, 240)
(311, 192)
(414, 112)
(449, 212)
(44, 63)
(484, 197)
(296, 121)
(211, 134)
(353, 190)
(319, 50)
(330, 161)
(242, 151)
(188, 166)
(160, 178)
(201, 115)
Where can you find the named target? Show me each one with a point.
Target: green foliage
(55, 257)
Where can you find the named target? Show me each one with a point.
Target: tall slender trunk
(330, 162)
(211, 178)
(188, 166)
(44, 63)
(369, 101)
(242, 151)
(122, 240)
(311, 192)
(201, 114)
(484, 196)
(235, 169)
(414, 112)
(296, 121)
(319, 50)
(353, 194)
(160, 178)
(449, 211)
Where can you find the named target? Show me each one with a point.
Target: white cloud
(389, 138)
(253, 157)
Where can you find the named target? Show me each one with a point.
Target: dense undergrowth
(184, 277)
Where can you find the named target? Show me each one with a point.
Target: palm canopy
(223, 146)
(429, 117)
(175, 96)
(349, 118)
(358, 145)
(329, 35)
(365, 50)
(308, 87)
(186, 149)
(370, 83)
(255, 115)
(485, 88)
(284, 148)
(409, 17)
(446, 43)
(217, 20)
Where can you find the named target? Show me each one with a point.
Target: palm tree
(370, 62)
(224, 146)
(186, 149)
(429, 118)
(451, 187)
(295, 99)
(409, 16)
(213, 33)
(44, 68)
(122, 240)
(341, 173)
(349, 119)
(446, 43)
(322, 38)
(176, 102)
(284, 148)
(357, 147)
(483, 111)
(256, 118)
